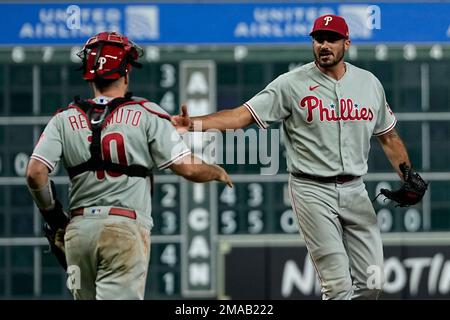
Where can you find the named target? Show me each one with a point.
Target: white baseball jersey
(327, 123)
(134, 134)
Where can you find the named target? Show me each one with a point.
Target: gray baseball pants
(339, 226)
(109, 258)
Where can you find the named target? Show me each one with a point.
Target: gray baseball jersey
(134, 134)
(327, 123)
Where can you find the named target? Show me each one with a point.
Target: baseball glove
(412, 190)
(56, 242)
(55, 222)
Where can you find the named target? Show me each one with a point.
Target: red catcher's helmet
(109, 55)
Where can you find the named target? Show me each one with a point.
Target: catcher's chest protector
(97, 114)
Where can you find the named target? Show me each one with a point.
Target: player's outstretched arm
(236, 118)
(395, 150)
(196, 170)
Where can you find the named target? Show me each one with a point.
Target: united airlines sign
(220, 23)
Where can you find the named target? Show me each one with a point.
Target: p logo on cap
(331, 22)
(327, 19)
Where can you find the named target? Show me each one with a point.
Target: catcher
(109, 146)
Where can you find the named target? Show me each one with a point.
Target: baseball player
(109, 146)
(330, 109)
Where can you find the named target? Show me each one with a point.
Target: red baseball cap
(331, 22)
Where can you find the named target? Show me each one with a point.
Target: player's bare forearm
(39, 186)
(37, 174)
(236, 118)
(196, 170)
(395, 150)
(204, 172)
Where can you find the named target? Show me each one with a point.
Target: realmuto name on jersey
(120, 116)
(348, 110)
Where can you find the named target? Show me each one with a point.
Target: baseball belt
(335, 179)
(113, 212)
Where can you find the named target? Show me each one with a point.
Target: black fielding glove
(412, 190)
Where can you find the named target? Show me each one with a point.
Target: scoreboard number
(169, 223)
(255, 193)
(381, 52)
(412, 220)
(169, 255)
(18, 54)
(20, 164)
(228, 220)
(167, 102)
(255, 221)
(170, 193)
(228, 196)
(385, 220)
(47, 54)
(168, 75)
(169, 283)
(409, 52)
(436, 52)
(288, 223)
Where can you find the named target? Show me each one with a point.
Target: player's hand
(182, 122)
(224, 177)
(56, 242)
(59, 239)
(412, 190)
